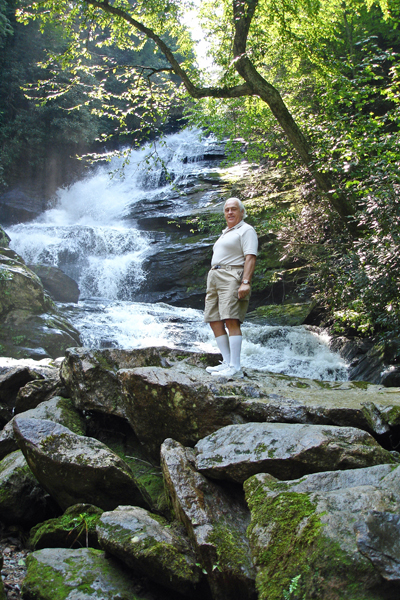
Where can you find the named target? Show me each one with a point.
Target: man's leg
(222, 340)
(235, 341)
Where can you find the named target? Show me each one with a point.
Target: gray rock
(91, 381)
(145, 387)
(216, 521)
(23, 501)
(35, 392)
(57, 409)
(60, 286)
(378, 538)
(285, 451)
(84, 574)
(163, 403)
(75, 469)
(303, 531)
(151, 545)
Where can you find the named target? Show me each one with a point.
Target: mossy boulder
(215, 519)
(75, 469)
(281, 314)
(302, 533)
(64, 574)
(57, 409)
(76, 528)
(286, 451)
(151, 545)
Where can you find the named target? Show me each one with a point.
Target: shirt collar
(232, 228)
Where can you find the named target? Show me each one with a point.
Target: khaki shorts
(222, 300)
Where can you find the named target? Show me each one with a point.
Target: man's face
(232, 213)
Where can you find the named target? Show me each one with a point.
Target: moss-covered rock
(76, 528)
(286, 451)
(216, 521)
(4, 238)
(282, 314)
(61, 574)
(75, 469)
(302, 534)
(57, 409)
(151, 545)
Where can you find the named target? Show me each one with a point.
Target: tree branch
(195, 91)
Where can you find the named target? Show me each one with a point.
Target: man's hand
(244, 290)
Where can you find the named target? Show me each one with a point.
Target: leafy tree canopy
(242, 34)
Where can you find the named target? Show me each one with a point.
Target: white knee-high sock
(235, 343)
(223, 345)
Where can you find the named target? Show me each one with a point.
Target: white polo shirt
(234, 245)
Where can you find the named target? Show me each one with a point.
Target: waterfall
(91, 232)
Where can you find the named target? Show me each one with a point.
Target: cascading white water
(90, 233)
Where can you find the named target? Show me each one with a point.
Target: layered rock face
(179, 484)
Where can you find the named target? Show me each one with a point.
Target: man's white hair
(241, 205)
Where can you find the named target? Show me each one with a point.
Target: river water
(91, 234)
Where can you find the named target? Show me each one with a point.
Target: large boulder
(16, 206)
(92, 379)
(378, 538)
(150, 545)
(75, 469)
(286, 451)
(81, 574)
(215, 519)
(35, 392)
(177, 275)
(311, 533)
(32, 326)
(168, 393)
(163, 403)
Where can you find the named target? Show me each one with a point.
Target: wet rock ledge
(137, 475)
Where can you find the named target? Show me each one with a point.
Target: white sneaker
(221, 367)
(231, 373)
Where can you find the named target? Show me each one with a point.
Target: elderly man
(228, 286)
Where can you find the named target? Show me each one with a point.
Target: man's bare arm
(248, 270)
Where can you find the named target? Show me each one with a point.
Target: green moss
(72, 526)
(231, 547)
(281, 314)
(148, 477)
(391, 415)
(79, 573)
(361, 385)
(44, 578)
(297, 546)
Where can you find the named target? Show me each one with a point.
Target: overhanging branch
(197, 92)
